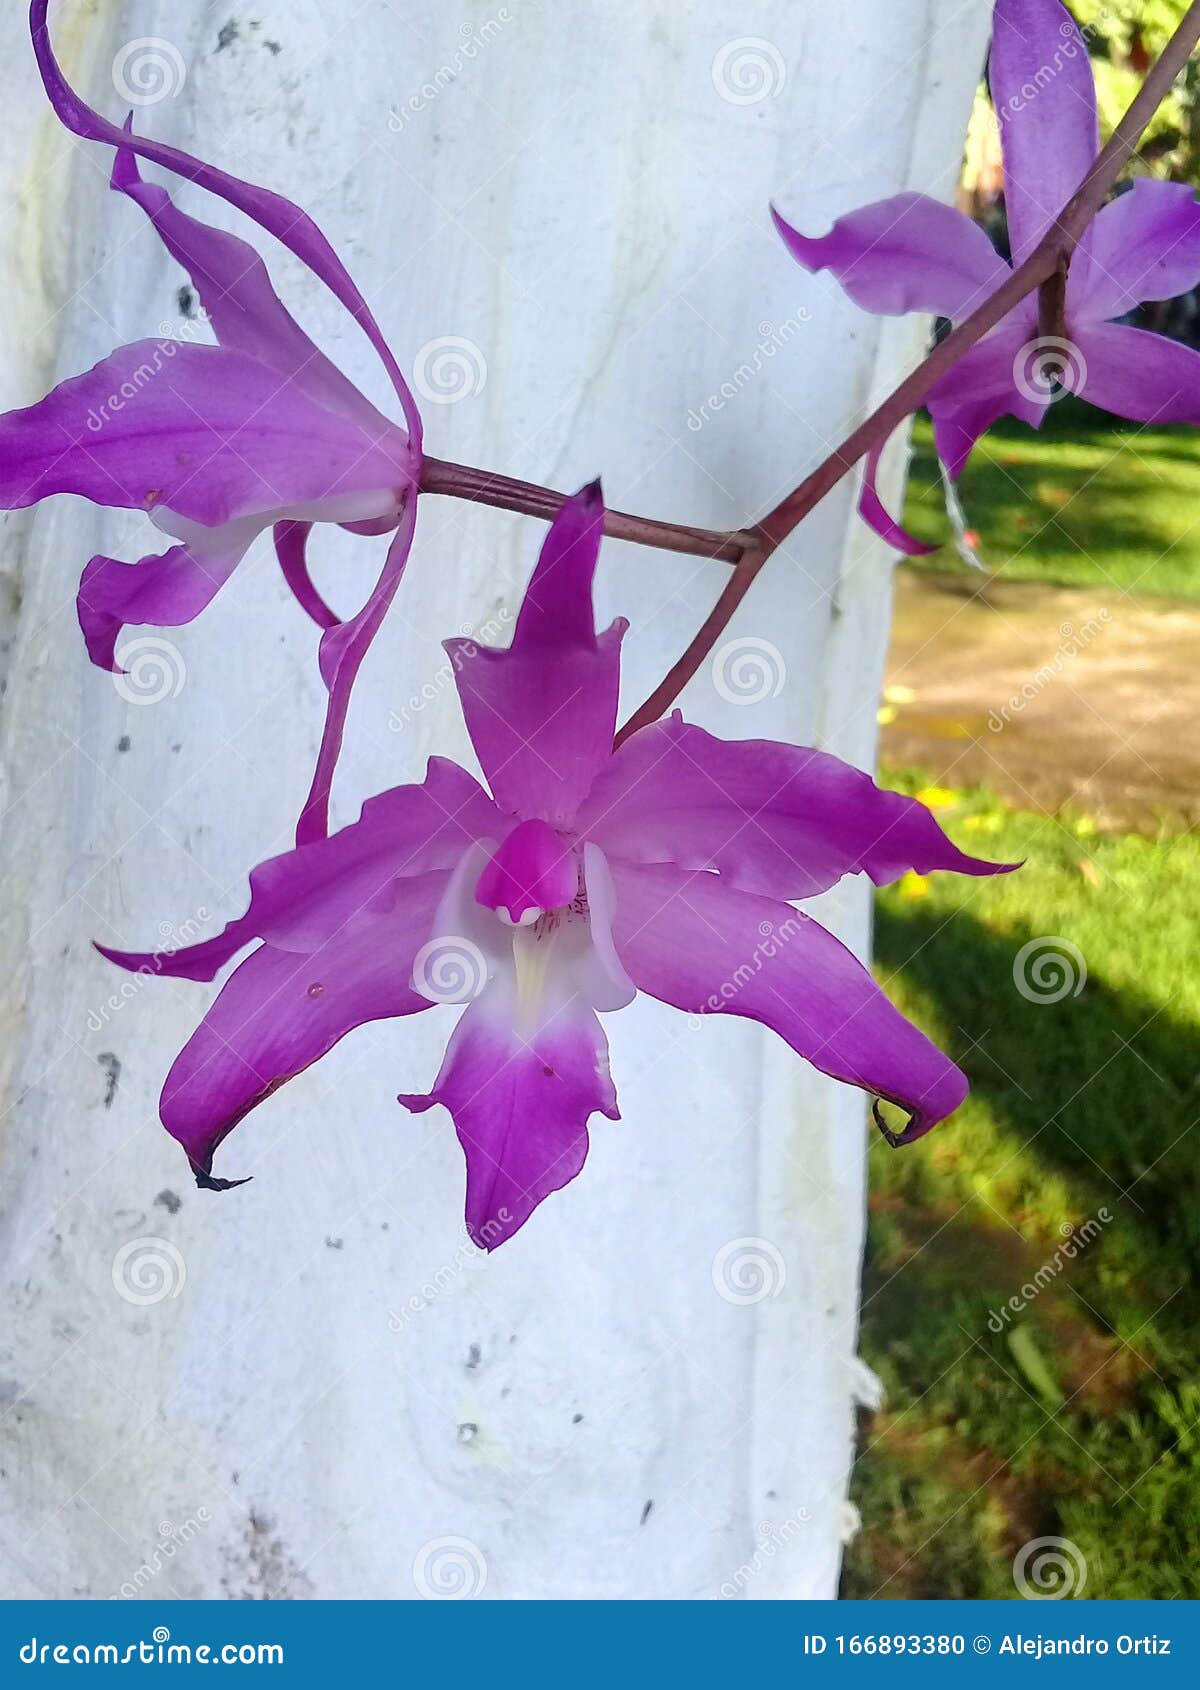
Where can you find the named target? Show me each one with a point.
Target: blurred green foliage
(1088, 500)
(1076, 1414)
(1123, 36)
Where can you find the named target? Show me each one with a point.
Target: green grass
(1077, 1416)
(1085, 501)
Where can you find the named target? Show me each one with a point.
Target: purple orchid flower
(912, 253)
(219, 443)
(586, 876)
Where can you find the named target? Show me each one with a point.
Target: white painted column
(338, 1385)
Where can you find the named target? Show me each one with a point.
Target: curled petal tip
(783, 227)
(208, 1182)
(416, 1102)
(132, 960)
(917, 1127)
(875, 514)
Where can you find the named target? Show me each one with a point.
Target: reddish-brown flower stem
(1044, 271)
(486, 488)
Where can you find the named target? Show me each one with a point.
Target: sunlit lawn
(1086, 500)
(1077, 1416)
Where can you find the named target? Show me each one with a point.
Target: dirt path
(1054, 697)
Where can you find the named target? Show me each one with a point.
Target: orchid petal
(166, 590)
(246, 313)
(771, 818)
(205, 433)
(342, 651)
(1045, 99)
(601, 974)
(907, 253)
(271, 211)
(303, 898)
(996, 377)
(1135, 374)
(291, 544)
(693, 942)
(1144, 245)
(541, 714)
(875, 514)
(280, 1011)
(520, 1098)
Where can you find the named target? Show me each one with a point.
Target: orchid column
(314, 1385)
